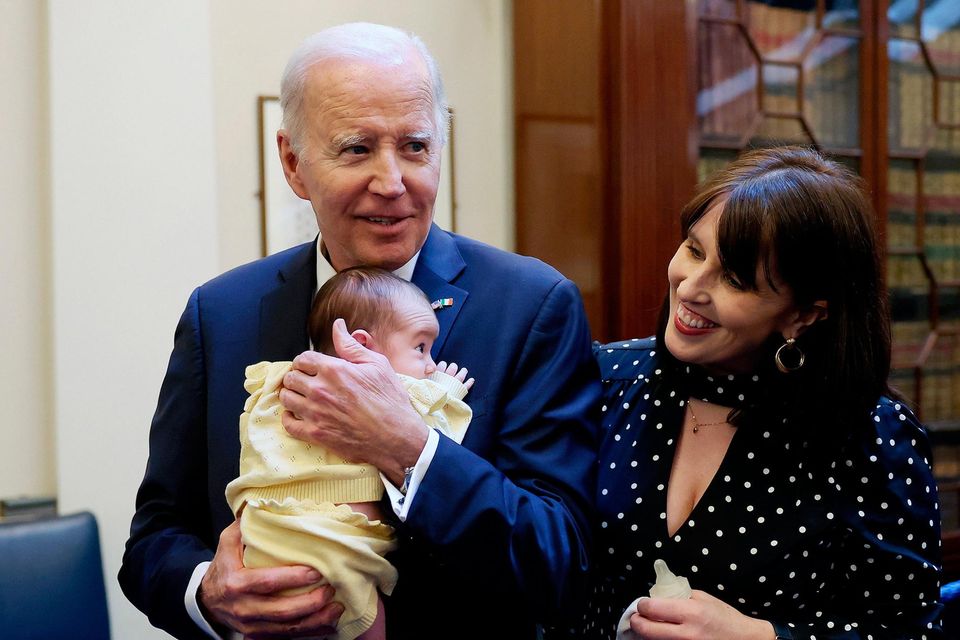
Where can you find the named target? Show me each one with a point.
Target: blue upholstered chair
(51, 580)
(950, 596)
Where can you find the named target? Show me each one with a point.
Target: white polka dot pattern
(841, 546)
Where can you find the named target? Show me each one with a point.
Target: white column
(133, 231)
(26, 460)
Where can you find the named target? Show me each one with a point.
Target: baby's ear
(364, 338)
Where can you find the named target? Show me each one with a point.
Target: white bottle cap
(669, 585)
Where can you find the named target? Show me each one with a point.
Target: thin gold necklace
(697, 424)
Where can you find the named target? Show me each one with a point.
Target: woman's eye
(694, 251)
(420, 347)
(733, 282)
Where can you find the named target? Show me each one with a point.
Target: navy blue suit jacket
(497, 536)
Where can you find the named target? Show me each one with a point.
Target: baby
(300, 504)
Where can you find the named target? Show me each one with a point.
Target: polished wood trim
(874, 110)
(611, 166)
(633, 77)
(654, 97)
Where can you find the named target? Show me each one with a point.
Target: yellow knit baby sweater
(276, 466)
(294, 493)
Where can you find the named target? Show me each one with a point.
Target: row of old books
(938, 401)
(730, 70)
(939, 235)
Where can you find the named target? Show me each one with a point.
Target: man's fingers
(296, 382)
(325, 620)
(294, 607)
(319, 621)
(230, 548)
(295, 426)
(309, 362)
(272, 580)
(300, 390)
(347, 346)
(321, 618)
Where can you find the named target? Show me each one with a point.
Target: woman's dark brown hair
(806, 219)
(365, 297)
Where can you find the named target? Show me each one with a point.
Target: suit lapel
(284, 311)
(439, 264)
(437, 288)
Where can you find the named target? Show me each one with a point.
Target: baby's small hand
(452, 370)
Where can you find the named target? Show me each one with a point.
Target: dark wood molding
(656, 146)
(618, 76)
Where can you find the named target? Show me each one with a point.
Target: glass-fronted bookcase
(876, 85)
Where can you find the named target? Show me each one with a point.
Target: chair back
(950, 597)
(51, 580)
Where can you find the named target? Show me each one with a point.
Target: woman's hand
(702, 617)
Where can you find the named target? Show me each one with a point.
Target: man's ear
(364, 338)
(290, 161)
(806, 318)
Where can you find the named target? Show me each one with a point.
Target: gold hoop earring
(789, 345)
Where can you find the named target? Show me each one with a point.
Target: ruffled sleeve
(438, 400)
(263, 377)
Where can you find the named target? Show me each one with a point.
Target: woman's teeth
(693, 321)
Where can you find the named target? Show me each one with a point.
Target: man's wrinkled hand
(353, 405)
(249, 600)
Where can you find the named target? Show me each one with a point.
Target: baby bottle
(668, 585)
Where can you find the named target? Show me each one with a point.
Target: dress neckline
(737, 391)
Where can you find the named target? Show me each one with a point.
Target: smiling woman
(754, 444)
(718, 321)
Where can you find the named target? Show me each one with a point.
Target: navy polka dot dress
(842, 546)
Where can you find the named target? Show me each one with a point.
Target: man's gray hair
(362, 40)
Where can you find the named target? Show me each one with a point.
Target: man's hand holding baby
(353, 404)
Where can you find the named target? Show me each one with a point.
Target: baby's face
(408, 346)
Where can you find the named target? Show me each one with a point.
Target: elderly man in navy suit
(494, 534)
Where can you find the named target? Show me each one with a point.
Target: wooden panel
(605, 148)
(655, 146)
(556, 57)
(561, 221)
(558, 96)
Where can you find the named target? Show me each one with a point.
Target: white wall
(128, 175)
(134, 229)
(26, 467)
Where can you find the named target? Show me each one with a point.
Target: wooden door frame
(653, 142)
